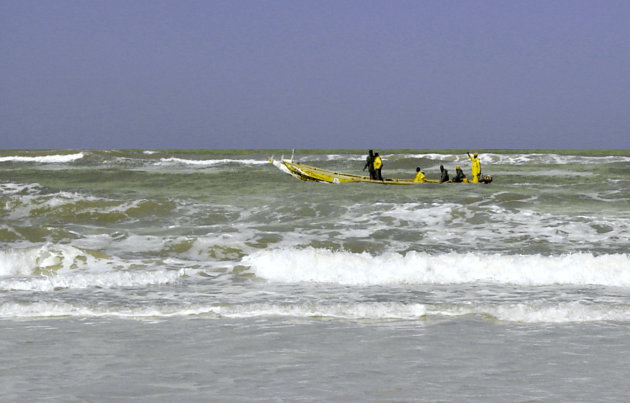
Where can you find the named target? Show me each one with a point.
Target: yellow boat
(310, 173)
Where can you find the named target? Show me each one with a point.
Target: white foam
(546, 159)
(45, 159)
(325, 266)
(9, 188)
(374, 310)
(29, 261)
(534, 158)
(182, 161)
(449, 224)
(535, 312)
(524, 313)
(565, 312)
(11, 310)
(49, 267)
(83, 280)
(327, 157)
(434, 215)
(21, 206)
(429, 156)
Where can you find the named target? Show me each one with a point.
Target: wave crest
(43, 159)
(363, 269)
(50, 267)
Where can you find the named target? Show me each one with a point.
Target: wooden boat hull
(310, 173)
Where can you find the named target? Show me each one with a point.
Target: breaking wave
(44, 159)
(50, 267)
(209, 163)
(363, 269)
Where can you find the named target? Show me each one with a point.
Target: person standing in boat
(459, 175)
(444, 174)
(378, 165)
(476, 167)
(369, 164)
(420, 176)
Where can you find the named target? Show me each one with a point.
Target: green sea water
(182, 191)
(211, 275)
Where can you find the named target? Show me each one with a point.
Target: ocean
(210, 275)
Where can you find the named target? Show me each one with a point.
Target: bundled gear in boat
(485, 179)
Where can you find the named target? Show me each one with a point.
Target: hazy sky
(314, 74)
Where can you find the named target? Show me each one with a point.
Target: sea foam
(569, 312)
(49, 267)
(364, 269)
(45, 159)
(46, 258)
(182, 161)
(83, 280)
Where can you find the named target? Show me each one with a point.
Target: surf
(44, 159)
(364, 269)
(534, 312)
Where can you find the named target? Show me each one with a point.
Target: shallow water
(270, 358)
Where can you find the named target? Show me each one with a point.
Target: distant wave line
(175, 160)
(47, 159)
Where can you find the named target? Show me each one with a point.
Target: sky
(390, 74)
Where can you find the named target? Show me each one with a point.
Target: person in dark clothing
(443, 174)
(459, 175)
(369, 164)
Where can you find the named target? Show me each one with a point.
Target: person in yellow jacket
(476, 167)
(378, 165)
(420, 176)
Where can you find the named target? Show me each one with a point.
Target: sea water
(210, 275)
